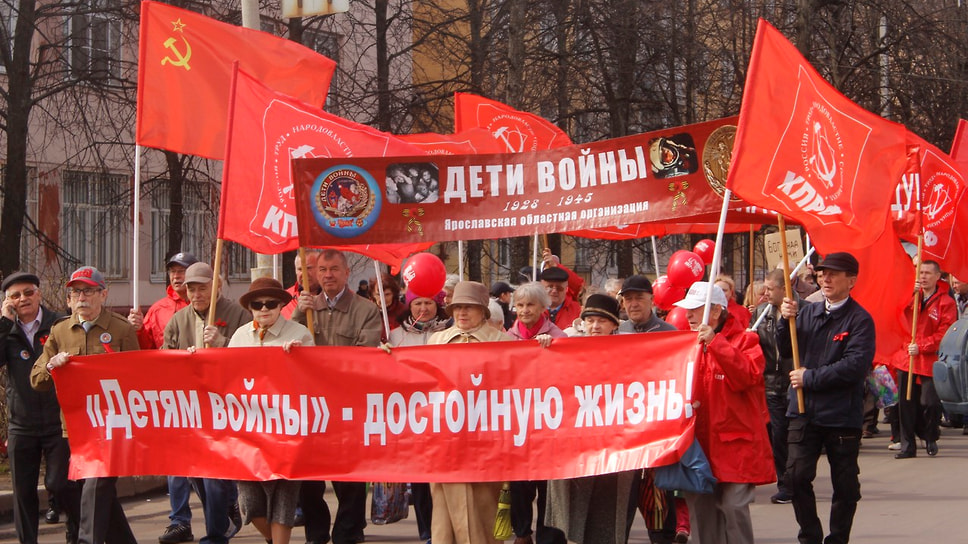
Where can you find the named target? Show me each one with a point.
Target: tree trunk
(383, 114)
(176, 206)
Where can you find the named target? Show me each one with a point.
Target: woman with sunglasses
(270, 506)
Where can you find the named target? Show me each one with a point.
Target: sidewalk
(903, 501)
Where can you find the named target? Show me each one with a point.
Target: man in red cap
(90, 330)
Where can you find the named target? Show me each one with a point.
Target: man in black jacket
(836, 348)
(776, 375)
(33, 416)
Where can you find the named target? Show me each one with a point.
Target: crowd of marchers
(759, 420)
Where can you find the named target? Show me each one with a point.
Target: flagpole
(788, 285)
(534, 256)
(216, 274)
(460, 259)
(793, 274)
(717, 255)
(914, 316)
(383, 300)
(310, 315)
(752, 241)
(136, 249)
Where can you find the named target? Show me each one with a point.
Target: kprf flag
(267, 130)
(516, 131)
(931, 202)
(473, 141)
(807, 152)
(185, 69)
(959, 146)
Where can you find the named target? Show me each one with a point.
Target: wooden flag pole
(310, 315)
(752, 240)
(215, 284)
(788, 285)
(914, 316)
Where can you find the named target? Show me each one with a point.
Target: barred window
(95, 41)
(97, 221)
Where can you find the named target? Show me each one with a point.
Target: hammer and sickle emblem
(182, 58)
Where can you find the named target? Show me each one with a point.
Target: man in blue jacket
(836, 348)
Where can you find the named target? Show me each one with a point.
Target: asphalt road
(903, 501)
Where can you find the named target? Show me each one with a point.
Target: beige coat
(464, 512)
(353, 321)
(183, 331)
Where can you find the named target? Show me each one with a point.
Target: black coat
(29, 412)
(837, 349)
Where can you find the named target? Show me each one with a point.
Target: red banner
(459, 412)
(670, 175)
(185, 69)
(806, 151)
(473, 141)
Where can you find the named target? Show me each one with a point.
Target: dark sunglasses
(269, 304)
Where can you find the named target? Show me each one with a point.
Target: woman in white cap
(270, 506)
(464, 512)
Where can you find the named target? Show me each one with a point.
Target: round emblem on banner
(105, 338)
(25, 355)
(346, 201)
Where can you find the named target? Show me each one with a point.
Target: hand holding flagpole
(305, 287)
(914, 316)
(788, 285)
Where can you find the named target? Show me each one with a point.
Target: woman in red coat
(731, 417)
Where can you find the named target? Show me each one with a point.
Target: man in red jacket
(731, 417)
(922, 414)
(151, 326)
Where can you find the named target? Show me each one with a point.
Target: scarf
(526, 332)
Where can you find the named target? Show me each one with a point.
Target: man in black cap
(636, 296)
(33, 417)
(836, 347)
(151, 326)
(564, 309)
(501, 292)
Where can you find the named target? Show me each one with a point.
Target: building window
(326, 44)
(8, 25)
(198, 226)
(95, 41)
(97, 221)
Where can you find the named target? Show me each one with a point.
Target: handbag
(390, 503)
(692, 473)
(882, 386)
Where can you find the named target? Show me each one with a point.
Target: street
(903, 500)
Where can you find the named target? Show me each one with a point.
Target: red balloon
(705, 249)
(677, 318)
(424, 275)
(665, 294)
(685, 268)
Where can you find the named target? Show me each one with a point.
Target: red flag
(959, 146)
(185, 68)
(267, 130)
(473, 141)
(517, 131)
(933, 203)
(806, 151)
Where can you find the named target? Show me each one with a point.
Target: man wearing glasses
(187, 329)
(90, 330)
(33, 417)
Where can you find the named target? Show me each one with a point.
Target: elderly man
(922, 414)
(33, 417)
(636, 297)
(90, 330)
(340, 318)
(187, 329)
(311, 256)
(776, 375)
(960, 291)
(151, 326)
(564, 287)
(835, 338)
(730, 419)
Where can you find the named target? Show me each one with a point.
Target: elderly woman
(391, 298)
(464, 512)
(530, 302)
(422, 318)
(594, 509)
(269, 506)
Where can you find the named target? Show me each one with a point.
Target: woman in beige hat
(464, 512)
(270, 506)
